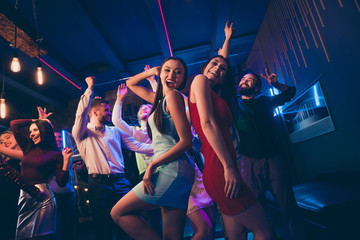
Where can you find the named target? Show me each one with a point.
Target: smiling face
(34, 133)
(247, 81)
(247, 85)
(104, 113)
(216, 70)
(172, 74)
(8, 140)
(58, 139)
(144, 112)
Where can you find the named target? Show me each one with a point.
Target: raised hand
(67, 152)
(229, 30)
(43, 114)
(90, 81)
(151, 78)
(271, 78)
(122, 91)
(156, 70)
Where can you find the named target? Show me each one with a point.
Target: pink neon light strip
(59, 73)
(166, 32)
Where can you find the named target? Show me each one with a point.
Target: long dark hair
(47, 137)
(159, 98)
(225, 90)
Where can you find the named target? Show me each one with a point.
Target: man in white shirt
(100, 148)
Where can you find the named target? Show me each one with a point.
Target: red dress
(213, 173)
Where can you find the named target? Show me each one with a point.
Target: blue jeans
(104, 193)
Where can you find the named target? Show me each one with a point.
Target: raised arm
(229, 30)
(134, 84)
(116, 114)
(10, 174)
(12, 153)
(273, 81)
(287, 92)
(62, 167)
(81, 117)
(151, 79)
(20, 130)
(201, 94)
(175, 105)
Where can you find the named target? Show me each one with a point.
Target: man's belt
(112, 175)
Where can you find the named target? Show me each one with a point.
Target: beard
(104, 120)
(246, 91)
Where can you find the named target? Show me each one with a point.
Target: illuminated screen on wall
(308, 116)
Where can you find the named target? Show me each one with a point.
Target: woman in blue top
(169, 178)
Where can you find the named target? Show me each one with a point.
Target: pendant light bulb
(2, 108)
(15, 63)
(39, 74)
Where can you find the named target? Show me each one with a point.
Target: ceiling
(114, 39)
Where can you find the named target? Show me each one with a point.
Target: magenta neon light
(166, 32)
(59, 73)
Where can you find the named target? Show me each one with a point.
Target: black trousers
(104, 193)
(66, 220)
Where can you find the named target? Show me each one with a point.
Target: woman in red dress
(210, 99)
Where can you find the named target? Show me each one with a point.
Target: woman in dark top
(40, 160)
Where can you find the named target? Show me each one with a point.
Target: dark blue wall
(337, 151)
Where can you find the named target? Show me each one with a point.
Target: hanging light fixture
(39, 73)
(2, 99)
(15, 63)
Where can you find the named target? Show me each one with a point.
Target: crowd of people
(239, 147)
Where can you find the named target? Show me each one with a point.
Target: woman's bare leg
(202, 221)
(126, 214)
(254, 219)
(173, 223)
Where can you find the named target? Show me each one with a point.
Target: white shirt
(101, 149)
(139, 133)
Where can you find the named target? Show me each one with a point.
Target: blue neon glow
(271, 92)
(63, 138)
(276, 91)
(316, 96)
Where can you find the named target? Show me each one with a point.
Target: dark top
(10, 174)
(38, 164)
(256, 126)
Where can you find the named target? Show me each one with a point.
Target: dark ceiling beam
(31, 92)
(86, 24)
(155, 13)
(221, 16)
(26, 34)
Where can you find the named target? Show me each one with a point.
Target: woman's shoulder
(200, 81)
(173, 95)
